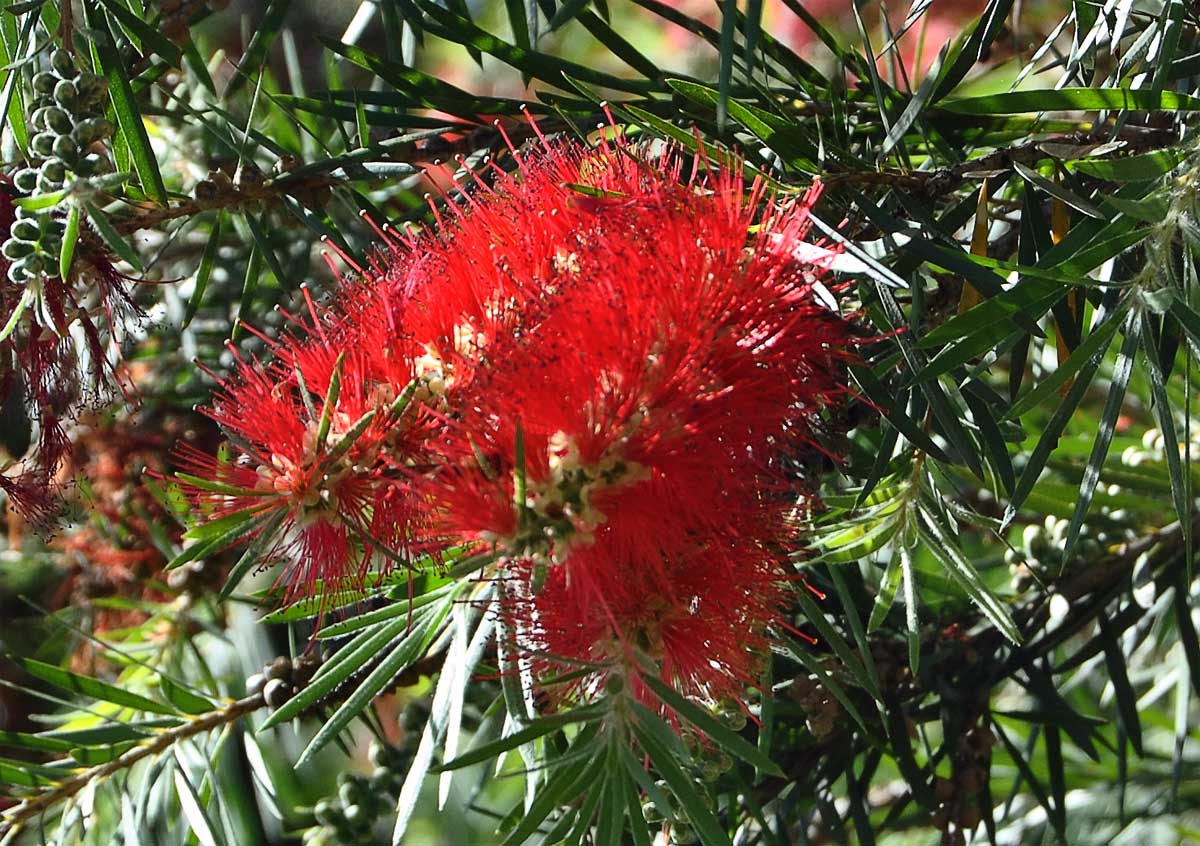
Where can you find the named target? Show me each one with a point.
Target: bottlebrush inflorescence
(589, 368)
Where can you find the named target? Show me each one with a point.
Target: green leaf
(36, 742)
(27, 297)
(566, 785)
(682, 785)
(182, 698)
(834, 639)
(252, 556)
(1164, 415)
(330, 405)
(70, 239)
(885, 597)
(406, 652)
(1096, 343)
(1108, 427)
(204, 272)
(193, 809)
(129, 118)
(1137, 168)
(1118, 674)
(732, 742)
(112, 238)
(533, 730)
(827, 681)
(961, 570)
(725, 63)
(1071, 99)
(26, 774)
(1051, 432)
(1059, 192)
(149, 36)
(348, 660)
(257, 51)
(93, 688)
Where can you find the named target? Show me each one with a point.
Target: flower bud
(27, 230)
(14, 249)
(57, 120)
(44, 82)
(66, 94)
(65, 149)
(26, 180)
(63, 64)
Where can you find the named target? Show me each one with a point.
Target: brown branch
(936, 183)
(12, 820)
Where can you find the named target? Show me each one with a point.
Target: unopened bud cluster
(351, 817)
(283, 678)
(1040, 549)
(67, 118)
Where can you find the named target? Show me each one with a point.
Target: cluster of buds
(1039, 554)
(68, 116)
(282, 678)
(589, 370)
(352, 816)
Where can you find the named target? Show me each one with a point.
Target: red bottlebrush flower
(648, 347)
(313, 437)
(608, 352)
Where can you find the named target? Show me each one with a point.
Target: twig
(14, 818)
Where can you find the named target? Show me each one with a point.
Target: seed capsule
(43, 143)
(93, 164)
(276, 692)
(26, 230)
(34, 264)
(26, 180)
(280, 668)
(57, 120)
(54, 171)
(66, 94)
(65, 148)
(63, 64)
(14, 249)
(43, 83)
